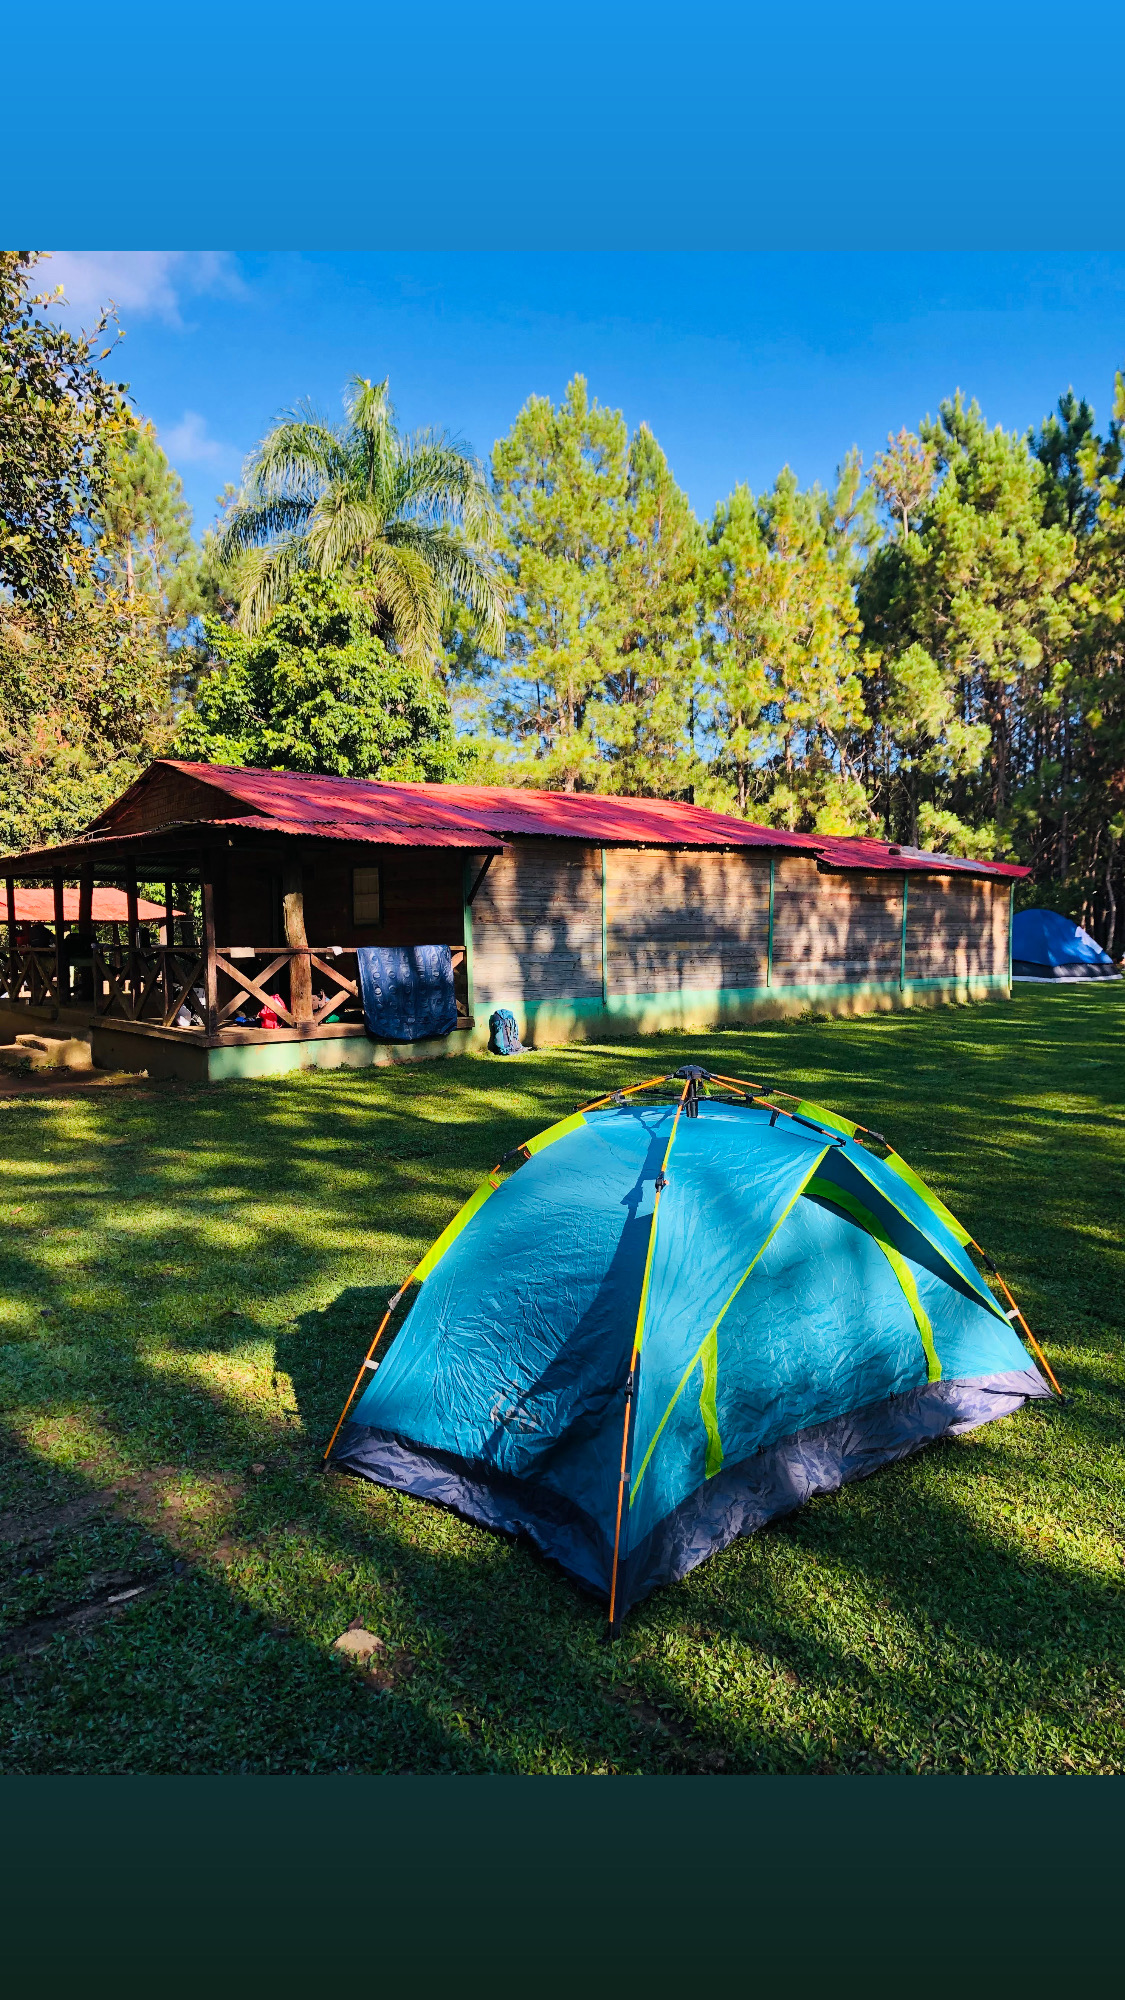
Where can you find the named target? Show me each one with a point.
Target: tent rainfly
(1046, 945)
(672, 1322)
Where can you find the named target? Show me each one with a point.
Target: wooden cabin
(583, 915)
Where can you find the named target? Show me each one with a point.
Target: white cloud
(187, 442)
(144, 282)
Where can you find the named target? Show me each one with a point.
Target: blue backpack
(504, 1035)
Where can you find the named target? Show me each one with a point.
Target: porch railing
(156, 984)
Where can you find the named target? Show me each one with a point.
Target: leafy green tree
(317, 689)
(410, 519)
(561, 481)
(58, 418)
(644, 714)
(143, 528)
(971, 618)
(785, 702)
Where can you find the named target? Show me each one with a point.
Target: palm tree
(413, 517)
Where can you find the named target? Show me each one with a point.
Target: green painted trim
(769, 939)
(712, 1332)
(264, 1059)
(829, 1191)
(466, 885)
(902, 941)
(605, 961)
(716, 1003)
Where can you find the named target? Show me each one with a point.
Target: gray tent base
(737, 1501)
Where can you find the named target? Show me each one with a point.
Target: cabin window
(367, 906)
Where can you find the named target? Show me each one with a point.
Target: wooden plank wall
(422, 894)
(693, 922)
(537, 925)
(957, 927)
(685, 921)
(834, 928)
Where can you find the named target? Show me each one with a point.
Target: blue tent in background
(1046, 945)
(673, 1322)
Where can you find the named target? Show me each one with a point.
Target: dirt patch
(113, 1593)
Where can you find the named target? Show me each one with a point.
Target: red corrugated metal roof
(494, 809)
(110, 906)
(878, 854)
(473, 816)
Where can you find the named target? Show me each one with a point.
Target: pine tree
(561, 482)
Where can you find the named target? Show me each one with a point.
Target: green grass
(189, 1280)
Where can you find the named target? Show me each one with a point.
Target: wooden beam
(169, 919)
(210, 974)
(293, 915)
(13, 979)
(60, 934)
(132, 928)
(86, 896)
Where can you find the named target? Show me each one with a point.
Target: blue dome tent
(1046, 945)
(673, 1321)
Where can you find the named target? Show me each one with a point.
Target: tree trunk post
(13, 979)
(210, 973)
(90, 987)
(60, 935)
(132, 929)
(300, 966)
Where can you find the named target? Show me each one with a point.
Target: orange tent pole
(630, 1092)
(363, 1366)
(1047, 1369)
(631, 1378)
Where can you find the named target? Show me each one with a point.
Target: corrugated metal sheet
(494, 809)
(110, 906)
(878, 855)
(481, 816)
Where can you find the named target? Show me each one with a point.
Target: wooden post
(605, 960)
(88, 988)
(467, 878)
(902, 941)
(169, 927)
(132, 928)
(13, 979)
(300, 966)
(1011, 923)
(769, 935)
(210, 975)
(60, 935)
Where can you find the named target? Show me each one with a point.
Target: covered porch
(236, 957)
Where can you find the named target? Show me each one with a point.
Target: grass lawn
(191, 1276)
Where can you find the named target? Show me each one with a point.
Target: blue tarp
(407, 991)
(1046, 945)
(807, 1317)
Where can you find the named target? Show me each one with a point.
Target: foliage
(784, 688)
(83, 707)
(561, 480)
(192, 1275)
(58, 416)
(318, 690)
(409, 518)
(142, 526)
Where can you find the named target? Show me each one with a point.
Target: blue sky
(740, 362)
